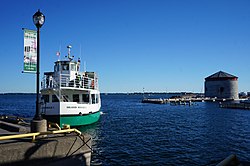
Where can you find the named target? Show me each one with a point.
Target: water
(134, 133)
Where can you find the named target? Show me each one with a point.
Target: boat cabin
(67, 74)
(69, 96)
(67, 84)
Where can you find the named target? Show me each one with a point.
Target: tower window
(221, 90)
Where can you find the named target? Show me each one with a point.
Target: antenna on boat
(80, 51)
(84, 66)
(69, 47)
(84, 62)
(80, 54)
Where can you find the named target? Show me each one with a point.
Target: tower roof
(221, 76)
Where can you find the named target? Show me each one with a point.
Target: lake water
(133, 133)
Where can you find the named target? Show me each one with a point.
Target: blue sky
(159, 45)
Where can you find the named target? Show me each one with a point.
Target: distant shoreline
(118, 93)
(17, 93)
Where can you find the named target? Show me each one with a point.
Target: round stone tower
(221, 85)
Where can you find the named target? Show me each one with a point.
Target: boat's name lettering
(71, 107)
(75, 107)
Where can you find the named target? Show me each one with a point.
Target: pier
(154, 101)
(223, 103)
(245, 106)
(181, 101)
(54, 147)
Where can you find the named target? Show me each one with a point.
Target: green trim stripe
(73, 120)
(79, 120)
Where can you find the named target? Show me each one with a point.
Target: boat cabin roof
(67, 65)
(65, 61)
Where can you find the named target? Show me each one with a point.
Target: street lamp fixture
(38, 19)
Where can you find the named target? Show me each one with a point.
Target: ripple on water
(132, 133)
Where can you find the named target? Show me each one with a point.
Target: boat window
(73, 67)
(78, 67)
(54, 98)
(45, 98)
(76, 98)
(93, 98)
(85, 98)
(97, 98)
(65, 67)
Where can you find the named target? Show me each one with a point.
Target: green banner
(30, 50)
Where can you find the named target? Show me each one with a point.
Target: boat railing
(65, 80)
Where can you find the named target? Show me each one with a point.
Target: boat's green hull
(73, 120)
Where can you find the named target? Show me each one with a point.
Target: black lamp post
(38, 19)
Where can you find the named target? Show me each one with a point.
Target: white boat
(70, 97)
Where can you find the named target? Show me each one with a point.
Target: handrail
(33, 135)
(65, 80)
